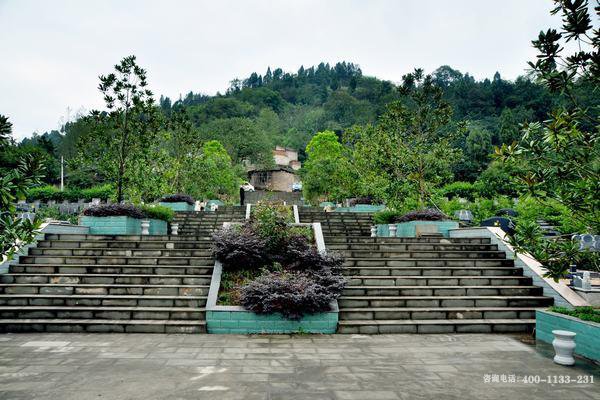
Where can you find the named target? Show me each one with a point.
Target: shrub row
(178, 198)
(129, 210)
(49, 192)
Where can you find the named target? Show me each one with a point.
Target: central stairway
(425, 285)
(106, 283)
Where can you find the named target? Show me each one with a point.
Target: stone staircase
(104, 283)
(205, 222)
(426, 285)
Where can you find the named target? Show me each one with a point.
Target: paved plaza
(156, 366)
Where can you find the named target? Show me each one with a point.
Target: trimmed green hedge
(49, 192)
(158, 212)
(583, 313)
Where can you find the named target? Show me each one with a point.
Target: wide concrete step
(103, 289)
(111, 279)
(426, 262)
(124, 238)
(403, 313)
(110, 244)
(443, 301)
(437, 326)
(102, 325)
(422, 254)
(82, 312)
(384, 247)
(426, 281)
(104, 260)
(152, 269)
(120, 252)
(101, 300)
(433, 271)
(442, 291)
(388, 240)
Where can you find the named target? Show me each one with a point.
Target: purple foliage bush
(292, 294)
(239, 248)
(178, 198)
(114, 210)
(428, 214)
(360, 200)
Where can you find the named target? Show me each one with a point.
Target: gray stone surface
(174, 366)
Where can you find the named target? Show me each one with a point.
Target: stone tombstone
(51, 203)
(36, 204)
(586, 242)
(95, 201)
(464, 216)
(597, 243)
(500, 222)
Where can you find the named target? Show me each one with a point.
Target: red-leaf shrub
(292, 294)
(429, 214)
(114, 210)
(178, 198)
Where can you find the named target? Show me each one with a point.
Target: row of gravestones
(587, 242)
(65, 207)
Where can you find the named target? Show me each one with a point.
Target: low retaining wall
(409, 229)
(361, 208)
(178, 206)
(588, 333)
(247, 322)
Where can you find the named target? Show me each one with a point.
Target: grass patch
(231, 283)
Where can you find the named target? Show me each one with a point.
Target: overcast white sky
(51, 52)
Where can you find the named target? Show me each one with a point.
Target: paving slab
(173, 366)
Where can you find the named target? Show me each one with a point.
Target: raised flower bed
(178, 202)
(414, 222)
(125, 219)
(270, 277)
(587, 331)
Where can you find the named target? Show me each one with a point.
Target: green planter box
(158, 227)
(179, 206)
(237, 321)
(588, 333)
(112, 225)
(408, 229)
(122, 226)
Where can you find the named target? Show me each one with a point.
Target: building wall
(273, 180)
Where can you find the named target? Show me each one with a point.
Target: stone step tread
(481, 297)
(59, 265)
(503, 267)
(111, 275)
(101, 308)
(104, 321)
(101, 296)
(108, 285)
(417, 259)
(136, 257)
(436, 321)
(350, 286)
(436, 309)
(424, 277)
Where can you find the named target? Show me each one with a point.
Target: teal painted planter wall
(588, 333)
(179, 206)
(112, 225)
(247, 322)
(122, 226)
(408, 229)
(158, 227)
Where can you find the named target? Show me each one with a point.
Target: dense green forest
(284, 108)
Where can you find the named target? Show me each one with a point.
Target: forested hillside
(285, 108)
